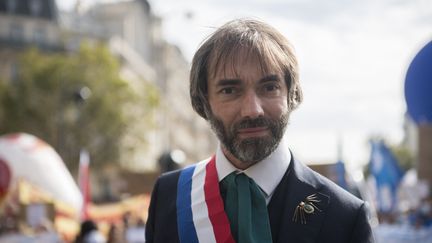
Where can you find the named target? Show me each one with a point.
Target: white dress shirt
(267, 173)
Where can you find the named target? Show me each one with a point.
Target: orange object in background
(137, 206)
(33, 208)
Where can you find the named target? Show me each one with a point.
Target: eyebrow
(224, 82)
(272, 77)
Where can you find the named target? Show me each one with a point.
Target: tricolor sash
(200, 208)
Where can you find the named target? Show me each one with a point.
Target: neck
(241, 165)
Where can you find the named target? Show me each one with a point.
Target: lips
(253, 132)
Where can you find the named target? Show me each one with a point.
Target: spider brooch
(308, 206)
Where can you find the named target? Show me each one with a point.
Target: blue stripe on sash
(185, 224)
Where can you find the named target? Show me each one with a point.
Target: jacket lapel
(298, 183)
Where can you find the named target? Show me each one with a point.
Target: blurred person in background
(116, 234)
(244, 82)
(89, 233)
(422, 216)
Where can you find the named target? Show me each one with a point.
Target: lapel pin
(307, 206)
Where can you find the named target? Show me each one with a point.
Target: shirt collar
(266, 173)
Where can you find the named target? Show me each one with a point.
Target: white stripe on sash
(203, 225)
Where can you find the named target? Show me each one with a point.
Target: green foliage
(44, 101)
(404, 156)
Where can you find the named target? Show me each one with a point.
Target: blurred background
(94, 105)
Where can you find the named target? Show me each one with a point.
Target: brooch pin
(308, 207)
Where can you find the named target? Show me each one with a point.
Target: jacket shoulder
(345, 212)
(161, 223)
(337, 194)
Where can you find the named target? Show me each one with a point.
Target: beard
(250, 150)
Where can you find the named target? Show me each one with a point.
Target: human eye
(271, 87)
(227, 90)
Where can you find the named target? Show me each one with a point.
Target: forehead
(232, 62)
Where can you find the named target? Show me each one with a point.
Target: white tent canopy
(32, 159)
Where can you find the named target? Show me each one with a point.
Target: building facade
(26, 23)
(133, 34)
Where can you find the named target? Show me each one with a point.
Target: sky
(353, 57)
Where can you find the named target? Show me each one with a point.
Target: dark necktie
(246, 209)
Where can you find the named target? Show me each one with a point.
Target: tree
(75, 101)
(404, 156)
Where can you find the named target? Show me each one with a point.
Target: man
(244, 82)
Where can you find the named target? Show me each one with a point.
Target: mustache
(251, 123)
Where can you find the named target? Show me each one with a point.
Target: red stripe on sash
(215, 205)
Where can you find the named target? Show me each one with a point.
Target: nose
(251, 106)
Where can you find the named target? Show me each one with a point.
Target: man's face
(249, 111)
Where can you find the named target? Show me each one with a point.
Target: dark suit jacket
(343, 217)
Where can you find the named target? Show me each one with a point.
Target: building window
(39, 36)
(11, 6)
(13, 72)
(36, 7)
(16, 32)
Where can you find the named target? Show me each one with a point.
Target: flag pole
(84, 182)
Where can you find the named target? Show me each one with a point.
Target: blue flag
(387, 172)
(340, 172)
